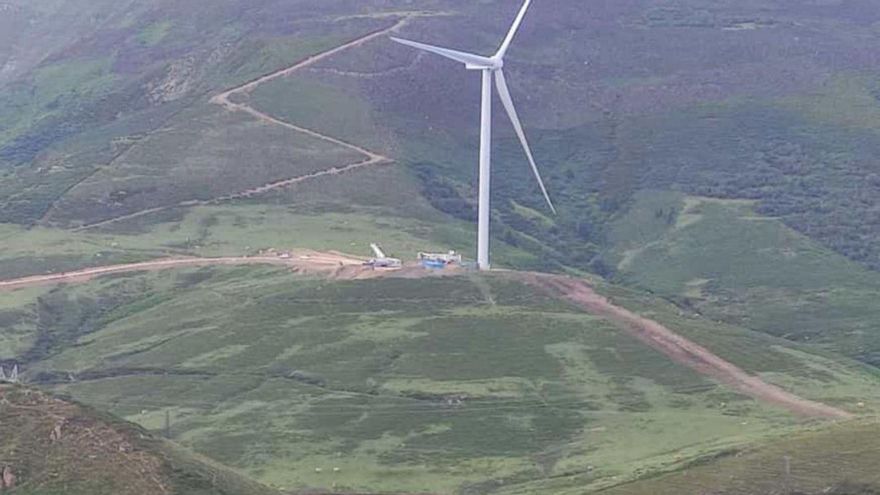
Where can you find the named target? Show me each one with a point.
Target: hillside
(318, 132)
(53, 446)
(838, 460)
(465, 383)
(705, 299)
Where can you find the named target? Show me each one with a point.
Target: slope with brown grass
(52, 446)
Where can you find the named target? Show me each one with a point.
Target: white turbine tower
(491, 67)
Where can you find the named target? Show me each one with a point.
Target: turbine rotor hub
(495, 64)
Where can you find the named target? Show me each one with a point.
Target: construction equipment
(439, 261)
(12, 377)
(382, 261)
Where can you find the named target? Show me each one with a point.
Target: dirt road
(330, 264)
(682, 350)
(224, 99)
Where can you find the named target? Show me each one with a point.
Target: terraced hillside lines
(118, 156)
(685, 351)
(372, 158)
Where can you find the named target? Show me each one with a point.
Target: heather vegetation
(492, 387)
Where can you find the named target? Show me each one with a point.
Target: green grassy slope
(82, 114)
(70, 118)
(171, 166)
(52, 446)
(796, 141)
(729, 263)
(336, 213)
(615, 106)
(407, 385)
(839, 460)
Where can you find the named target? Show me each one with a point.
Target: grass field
(471, 384)
(722, 259)
(839, 460)
(123, 125)
(171, 166)
(233, 231)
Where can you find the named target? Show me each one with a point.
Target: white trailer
(447, 258)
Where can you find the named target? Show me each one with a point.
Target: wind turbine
(491, 67)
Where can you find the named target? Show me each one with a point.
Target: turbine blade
(504, 94)
(513, 29)
(465, 58)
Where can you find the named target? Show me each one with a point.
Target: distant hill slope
(107, 126)
(104, 110)
(50, 446)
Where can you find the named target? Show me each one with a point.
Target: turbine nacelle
(496, 63)
(483, 67)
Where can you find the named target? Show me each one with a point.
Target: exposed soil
(330, 264)
(682, 350)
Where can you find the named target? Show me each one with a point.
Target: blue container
(434, 264)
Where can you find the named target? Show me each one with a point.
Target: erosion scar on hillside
(682, 350)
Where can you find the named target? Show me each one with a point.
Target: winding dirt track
(223, 98)
(682, 350)
(371, 158)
